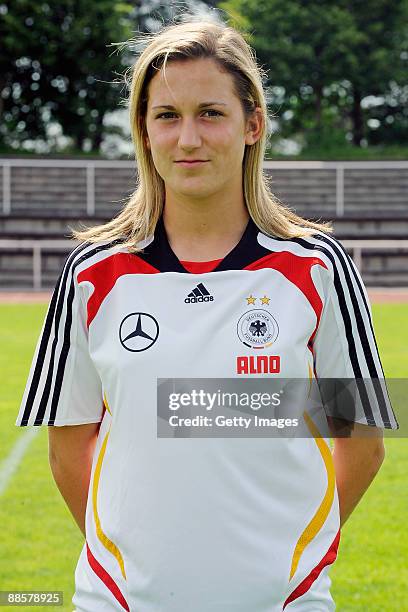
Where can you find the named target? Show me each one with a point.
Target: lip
(191, 163)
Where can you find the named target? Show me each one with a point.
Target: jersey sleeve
(63, 386)
(346, 359)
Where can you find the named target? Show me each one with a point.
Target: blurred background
(337, 95)
(337, 73)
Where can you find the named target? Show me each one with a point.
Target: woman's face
(196, 129)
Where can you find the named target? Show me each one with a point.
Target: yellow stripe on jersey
(310, 377)
(105, 401)
(109, 545)
(322, 512)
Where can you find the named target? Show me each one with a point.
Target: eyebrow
(202, 105)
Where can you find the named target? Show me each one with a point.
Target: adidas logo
(199, 294)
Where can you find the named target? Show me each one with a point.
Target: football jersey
(213, 524)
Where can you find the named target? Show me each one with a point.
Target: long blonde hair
(189, 40)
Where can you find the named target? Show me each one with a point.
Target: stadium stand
(43, 198)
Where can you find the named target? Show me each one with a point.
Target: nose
(189, 136)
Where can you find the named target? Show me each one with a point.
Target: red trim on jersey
(297, 270)
(199, 267)
(106, 579)
(305, 585)
(104, 274)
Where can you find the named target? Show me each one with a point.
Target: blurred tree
(324, 58)
(389, 119)
(152, 14)
(57, 66)
(380, 72)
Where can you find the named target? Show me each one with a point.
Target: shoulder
(87, 254)
(321, 246)
(81, 258)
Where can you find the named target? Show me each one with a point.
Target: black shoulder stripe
(343, 306)
(329, 240)
(342, 302)
(349, 333)
(339, 248)
(67, 328)
(339, 289)
(54, 315)
(342, 257)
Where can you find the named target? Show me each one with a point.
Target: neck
(203, 231)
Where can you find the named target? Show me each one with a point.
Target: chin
(196, 194)
(198, 191)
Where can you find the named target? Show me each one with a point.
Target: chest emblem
(257, 328)
(138, 331)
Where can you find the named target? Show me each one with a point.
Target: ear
(254, 126)
(147, 142)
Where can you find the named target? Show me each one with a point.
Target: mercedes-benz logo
(138, 331)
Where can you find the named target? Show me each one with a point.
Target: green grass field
(40, 543)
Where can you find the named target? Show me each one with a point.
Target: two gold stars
(251, 299)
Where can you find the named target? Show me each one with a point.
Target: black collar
(160, 255)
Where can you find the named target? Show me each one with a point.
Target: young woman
(202, 272)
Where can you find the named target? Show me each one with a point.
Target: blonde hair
(193, 39)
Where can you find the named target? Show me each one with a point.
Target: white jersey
(201, 525)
